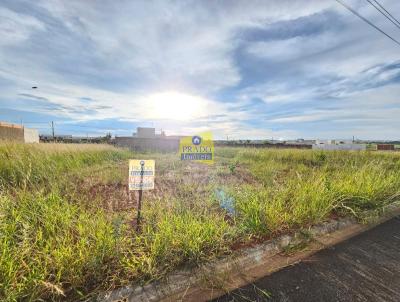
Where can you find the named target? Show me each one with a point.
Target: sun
(174, 105)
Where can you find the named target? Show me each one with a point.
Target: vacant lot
(66, 217)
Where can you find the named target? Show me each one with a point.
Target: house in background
(146, 139)
(143, 132)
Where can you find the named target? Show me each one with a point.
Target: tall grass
(51, 248)
(54, 247)
(23, 165)
(176, 239)
(304, 187)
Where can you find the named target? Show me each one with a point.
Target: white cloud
(174, 44)
(370, 113)
(185, 50)
(16, 28)
(293, 48)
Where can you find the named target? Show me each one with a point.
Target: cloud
(245, 69)
(176, 44)
(16, 27)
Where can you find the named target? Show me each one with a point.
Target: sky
(242, 69)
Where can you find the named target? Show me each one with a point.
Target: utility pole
(52, 130)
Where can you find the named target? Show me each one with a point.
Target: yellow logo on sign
(198, 148)
(141, 174)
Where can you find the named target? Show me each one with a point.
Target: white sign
(141, 174)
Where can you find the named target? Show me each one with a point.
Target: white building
(354, 147)
(31, 135)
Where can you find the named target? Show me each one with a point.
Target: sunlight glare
(176, 106)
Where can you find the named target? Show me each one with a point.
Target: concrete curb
(243, 260)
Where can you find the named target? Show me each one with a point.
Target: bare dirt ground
(192, 180)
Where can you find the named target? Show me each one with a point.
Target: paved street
(363, 268)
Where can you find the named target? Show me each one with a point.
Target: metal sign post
(141, 177)
(139, 208)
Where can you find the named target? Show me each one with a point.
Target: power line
(386, 16)
(367, 21)
(381, 6)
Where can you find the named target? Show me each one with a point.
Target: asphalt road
(363, 268)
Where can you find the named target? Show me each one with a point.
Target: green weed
(61, 240)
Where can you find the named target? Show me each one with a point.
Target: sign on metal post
(141, 174)
(141, 177)
(198, 148)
